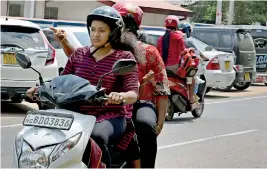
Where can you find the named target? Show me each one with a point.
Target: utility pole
(219, 12)
(231, 12)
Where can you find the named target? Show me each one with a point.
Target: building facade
(78, 10)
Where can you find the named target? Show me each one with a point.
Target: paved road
(232, 132)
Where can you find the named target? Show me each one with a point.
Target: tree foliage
(245, 12)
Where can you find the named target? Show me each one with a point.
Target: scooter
(58, 138)
(179, 100)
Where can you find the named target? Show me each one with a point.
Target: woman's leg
(106, 130)
(145, 120)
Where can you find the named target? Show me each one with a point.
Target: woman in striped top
(105, 26)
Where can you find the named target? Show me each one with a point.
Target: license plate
(247, 76)
(9, 59)
(48, 121)
(227, 65)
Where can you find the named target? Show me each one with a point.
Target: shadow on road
(14, 108)
(258, 85)
(181, 120)
(215, 96)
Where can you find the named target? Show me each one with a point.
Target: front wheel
(170, 111)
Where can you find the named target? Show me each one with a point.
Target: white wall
(69, 10)
(77, 11)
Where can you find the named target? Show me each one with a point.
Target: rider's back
(176, 46)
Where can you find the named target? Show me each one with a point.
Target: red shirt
(80, 64)
(159, 86)
(176, 46)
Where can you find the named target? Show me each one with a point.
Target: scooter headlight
(65, 147)
(34, 159)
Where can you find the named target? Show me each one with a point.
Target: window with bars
(51, 13)
(15, 10)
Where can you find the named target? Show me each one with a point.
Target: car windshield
(25, 37)
(83, 38)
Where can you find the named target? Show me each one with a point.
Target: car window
(150, 38)
(245, 42)
(260, 40)
(226, 40)
(210, 38)
(51, 39)
(25, 37)
(83, 38)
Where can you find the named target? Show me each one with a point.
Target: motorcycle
(179, 100)
(58, 138)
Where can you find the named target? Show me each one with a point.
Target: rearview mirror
(208, 48)
(123, 66)
(23, 60)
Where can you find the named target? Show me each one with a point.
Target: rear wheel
(170, 111)
(198, 112)
(242, 85)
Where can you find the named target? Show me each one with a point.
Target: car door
(246, 49)
(260, 41)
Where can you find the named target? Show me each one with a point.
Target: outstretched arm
(60, 36)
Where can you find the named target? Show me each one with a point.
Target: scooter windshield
(67, 89)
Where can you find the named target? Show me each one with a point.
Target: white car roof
(17, 22)
(159, 33)
(71, 28)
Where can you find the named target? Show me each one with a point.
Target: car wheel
(16, 100)
(208, 89)
(242, 85)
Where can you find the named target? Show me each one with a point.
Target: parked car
(77, 36)
(233, 40)
(219, 69)
(25, 37)
(259, 35)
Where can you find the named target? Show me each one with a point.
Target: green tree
(245, 12)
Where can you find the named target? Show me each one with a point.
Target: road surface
(231, 133)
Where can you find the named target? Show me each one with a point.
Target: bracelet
(158, 127)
